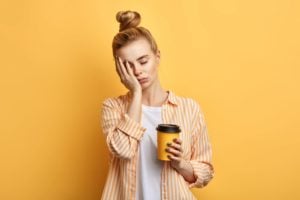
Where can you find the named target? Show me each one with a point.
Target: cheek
(151, 69)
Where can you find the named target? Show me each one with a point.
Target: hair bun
(128, 19)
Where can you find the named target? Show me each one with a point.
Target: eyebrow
(141, 57)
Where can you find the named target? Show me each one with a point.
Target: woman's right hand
(127, 76)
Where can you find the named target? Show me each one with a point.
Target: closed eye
(143, 63)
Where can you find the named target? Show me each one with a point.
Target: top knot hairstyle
(130, 31)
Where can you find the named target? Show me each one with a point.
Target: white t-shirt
(149, 170)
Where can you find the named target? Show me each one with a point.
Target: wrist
(137, 93)
(180, 165)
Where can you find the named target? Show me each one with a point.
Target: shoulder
(115, 101)
(190, 106)
(186, 101)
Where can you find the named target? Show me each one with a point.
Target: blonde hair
(130, 31)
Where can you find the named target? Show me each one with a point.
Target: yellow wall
(239, 59)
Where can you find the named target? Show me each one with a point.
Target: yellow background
(239, 59)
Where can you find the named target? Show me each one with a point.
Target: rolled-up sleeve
(201, 151)
(121, 131)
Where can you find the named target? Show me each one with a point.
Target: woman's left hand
(175, 153)
(181, 165)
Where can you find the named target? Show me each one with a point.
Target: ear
(158, 55)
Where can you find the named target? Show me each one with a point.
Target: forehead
(135, 49)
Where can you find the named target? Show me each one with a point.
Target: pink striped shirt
(123, 135)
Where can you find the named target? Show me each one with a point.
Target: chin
(146, 85)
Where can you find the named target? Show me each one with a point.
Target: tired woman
(129, 124)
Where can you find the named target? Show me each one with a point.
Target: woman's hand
(127, 76)
(176, 152)
(178, 163)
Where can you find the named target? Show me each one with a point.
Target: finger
(175, 152)
(130, 71)
(174, 158)
(176, 146)
(177, 140)
(118, 67)
(124, 71)
(127, 67)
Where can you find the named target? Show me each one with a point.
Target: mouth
(143, 80)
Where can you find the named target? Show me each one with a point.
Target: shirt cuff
(131, 127)
(202, 172)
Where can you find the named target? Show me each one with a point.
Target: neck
(154, 95)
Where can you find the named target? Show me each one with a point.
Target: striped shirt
(123, 135)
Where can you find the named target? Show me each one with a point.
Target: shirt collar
(172, 97)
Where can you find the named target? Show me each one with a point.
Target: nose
(136, 70)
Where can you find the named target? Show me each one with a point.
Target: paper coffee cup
(166, 133)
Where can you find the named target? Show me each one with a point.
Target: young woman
(129, 124)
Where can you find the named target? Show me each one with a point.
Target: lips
(143, 80)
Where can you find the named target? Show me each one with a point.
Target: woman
(129, 122)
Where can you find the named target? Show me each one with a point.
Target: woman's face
(142, 60)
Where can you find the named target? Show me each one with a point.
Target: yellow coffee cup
(166, 133)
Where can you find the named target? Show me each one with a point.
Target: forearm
(186, 170)
(121, 143)
(134, 108)
(122, 130)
